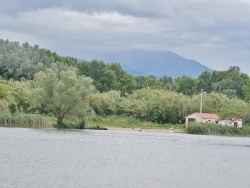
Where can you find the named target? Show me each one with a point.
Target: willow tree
(62, 93)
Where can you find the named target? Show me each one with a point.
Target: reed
(24, 120)
(214, 129)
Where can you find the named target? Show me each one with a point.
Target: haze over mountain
(156, 63)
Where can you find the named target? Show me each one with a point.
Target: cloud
(216, 33)
(97, 29)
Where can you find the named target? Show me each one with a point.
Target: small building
(231, 122)
(202, 118)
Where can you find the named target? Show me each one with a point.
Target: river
(86, 158)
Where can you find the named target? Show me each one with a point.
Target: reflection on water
(85, 158)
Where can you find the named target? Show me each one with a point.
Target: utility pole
(201, 101)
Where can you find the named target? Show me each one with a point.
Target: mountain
(157, 63)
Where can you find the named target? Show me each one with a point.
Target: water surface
(86, 158)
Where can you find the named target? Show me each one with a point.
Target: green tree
(4, 91)
(104, 103)
(156, 105)
(63, 92)
(21, 91)
(233, 79)
(5, 98)
(246, 91)
(204, 82)
(108, 77)
(217, 76)
(167, 82)
(125, 82)
(4, 107)
(103, 79)
(23, 61)
(230, 87)
(70, 61)
(235, 108)
(152, 82)
(185, 85)
(140, 81)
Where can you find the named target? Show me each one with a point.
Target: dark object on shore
(80, 126)
(96, 127)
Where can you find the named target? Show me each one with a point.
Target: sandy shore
(146, 130)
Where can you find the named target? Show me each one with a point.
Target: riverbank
(147, 130)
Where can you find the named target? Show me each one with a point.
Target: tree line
(36, 80)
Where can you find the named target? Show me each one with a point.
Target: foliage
(204, 81)
(6, 97)
(246, 91)
(21, 91)
(60, 90)
(107, 77)
(4, 91)
(104, 103)
(152, 82)
(158, 106)
(232, 80)
(163, 106)
(62, 93)
(23, 61)
(24, 120)
(125, 82)
(215, 129)
(127, 122)
(70, 61)
(4, 107)
(185, 85)
(235, 108)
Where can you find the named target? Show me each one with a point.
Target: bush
(196, 129)
(69, 126)
(215, 129)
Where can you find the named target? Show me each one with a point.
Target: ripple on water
(86, 158)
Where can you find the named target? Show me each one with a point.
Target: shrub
(196, 129)
(215, 129)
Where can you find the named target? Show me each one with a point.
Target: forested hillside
(36, 80)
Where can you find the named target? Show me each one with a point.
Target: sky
(214, 32)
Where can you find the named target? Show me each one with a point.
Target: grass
(214, 129)
(128, 122)
(97, 122)
(38, 121)
(24, 120)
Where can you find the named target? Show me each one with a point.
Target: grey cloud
(140, 8)
(209, 31)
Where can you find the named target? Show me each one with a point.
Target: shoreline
(145, 130)
(112, 129)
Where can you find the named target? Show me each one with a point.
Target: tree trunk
(82, 124)
(60, 123)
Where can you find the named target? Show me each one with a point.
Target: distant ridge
(156, 63)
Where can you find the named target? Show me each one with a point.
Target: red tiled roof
(207, 115)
